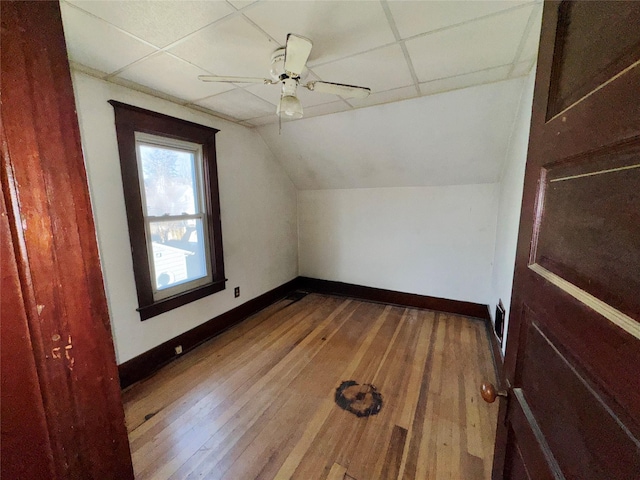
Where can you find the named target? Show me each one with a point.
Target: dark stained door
(572, 364)
(62, 415)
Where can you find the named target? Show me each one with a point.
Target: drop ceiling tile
(337, 29)
(530, 47)
(173, 76)
(387, 96)
(240, 4)
(413, 18)
(270, 93)
(464, 81)
(238, 104)
(159, 23)
(86, 37)
(326, 109)
(231, 47)
(380, 70)
(522, 68)
(478, 45)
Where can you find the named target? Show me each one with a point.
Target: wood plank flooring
(257, 402)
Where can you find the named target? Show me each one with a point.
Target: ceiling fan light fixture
(290, 107)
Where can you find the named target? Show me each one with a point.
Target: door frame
(53, 236)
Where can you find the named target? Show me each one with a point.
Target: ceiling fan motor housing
(277, 67)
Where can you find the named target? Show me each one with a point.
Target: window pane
(178, 252)
(169, 180)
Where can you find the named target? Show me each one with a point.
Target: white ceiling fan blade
(296, 54)
(216, 78)
(349, 91)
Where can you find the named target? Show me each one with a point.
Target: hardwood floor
(258, 400)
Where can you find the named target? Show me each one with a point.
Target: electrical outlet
(236, 292)
(178, 349)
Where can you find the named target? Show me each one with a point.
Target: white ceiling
(400, 49)
(453, 138)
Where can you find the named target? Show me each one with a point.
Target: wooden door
(572, 364)
(62, 414)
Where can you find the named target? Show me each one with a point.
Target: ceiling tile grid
(170, 74)
(237, 103)
(400, 49)
(337, 29)
(231, 47)
(416, 18)
(531, 38)
(157, 22)
(98, 44)
(381, 69)
(484, 43)
(480, 77)
(387, 96)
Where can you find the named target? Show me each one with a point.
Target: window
(173, 207)
(169, 177)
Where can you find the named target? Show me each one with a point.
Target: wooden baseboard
(395, 298)
(140, 367)
(496, 350)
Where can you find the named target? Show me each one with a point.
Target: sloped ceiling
(454, 138)
(400, 49)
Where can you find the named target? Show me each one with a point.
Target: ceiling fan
(288, 66)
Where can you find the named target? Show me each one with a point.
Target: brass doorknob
(489, 392)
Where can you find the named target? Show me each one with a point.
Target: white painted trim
(625, 322)
(600, 172)
(602, 85)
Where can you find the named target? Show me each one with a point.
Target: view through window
(175, 213)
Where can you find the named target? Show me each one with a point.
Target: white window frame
(201, 211)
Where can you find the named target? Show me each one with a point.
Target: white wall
(435, 241)
(425, 221)
(258, 207)
(509, 204)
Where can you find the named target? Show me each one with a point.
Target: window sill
(167, 304)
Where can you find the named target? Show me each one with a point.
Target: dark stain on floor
(361, 400)
(149, 416)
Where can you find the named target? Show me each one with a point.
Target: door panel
(514, 463)
(594, 42)
(528, 455)
(584, 235)
(569, 412)
(607, 355)
(573, 346)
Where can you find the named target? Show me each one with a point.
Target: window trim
(128, 120)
